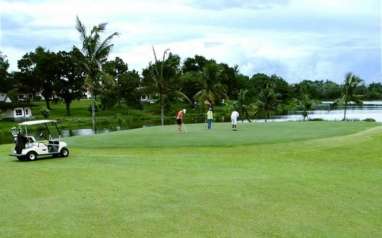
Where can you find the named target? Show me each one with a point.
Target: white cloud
(297, 39)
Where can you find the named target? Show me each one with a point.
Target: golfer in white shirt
(234, 117)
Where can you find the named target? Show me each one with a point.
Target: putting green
(314, 179)
(197, 135)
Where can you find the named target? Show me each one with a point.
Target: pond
(324, 111)
(371, 109)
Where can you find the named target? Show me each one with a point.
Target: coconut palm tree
(351, 83)
(245, 107)
(306, 103)
(212, 88)
(268, 99)
(94, 53)
(162, 77)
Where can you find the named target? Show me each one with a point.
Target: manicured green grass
(314, 179)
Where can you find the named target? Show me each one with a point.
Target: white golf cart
(28, 148)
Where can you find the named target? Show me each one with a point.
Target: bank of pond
(369, 111)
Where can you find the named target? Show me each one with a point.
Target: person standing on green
(210, 118)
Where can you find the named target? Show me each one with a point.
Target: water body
(371, 109)
(367, 110)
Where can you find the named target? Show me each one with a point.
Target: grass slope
(297, 180)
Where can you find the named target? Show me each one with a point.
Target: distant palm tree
(306, 103)
(212, 88)
(244, 106)
(351, 83)
(94, 53)
(268, 99)
(164, 75)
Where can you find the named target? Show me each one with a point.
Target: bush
(369, 120)
(45, 113)
(316, 119)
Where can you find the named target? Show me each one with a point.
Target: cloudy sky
(297, 39)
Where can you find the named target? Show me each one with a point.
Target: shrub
(316, 119)
(45, 113)
(369, 120)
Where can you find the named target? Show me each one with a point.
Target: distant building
(147, 99)
(13, 110)
(4, 98)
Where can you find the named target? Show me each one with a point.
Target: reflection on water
(372, 109)
(87, 131)
(335, 115)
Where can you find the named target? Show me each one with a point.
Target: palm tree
(306, 103)
(163, 79)
(94, 53)
(244, 106)
(351, 83)
(212, 89)
(267, 99)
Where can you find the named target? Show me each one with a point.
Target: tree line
(196, 81)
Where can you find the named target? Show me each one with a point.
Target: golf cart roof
(37, 122)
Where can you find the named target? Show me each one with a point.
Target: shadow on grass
(41, 159)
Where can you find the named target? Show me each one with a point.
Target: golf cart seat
(54, 142)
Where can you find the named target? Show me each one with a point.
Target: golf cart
(28, 148)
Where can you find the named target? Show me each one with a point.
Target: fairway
(294, 179)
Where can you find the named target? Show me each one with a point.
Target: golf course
(293, 179)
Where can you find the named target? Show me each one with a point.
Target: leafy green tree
(212, 89)
(195, 64)
(5, 81)
(374, 91)
(349, 91)
(229, 78)
(129, 88)
(94, 53)
(330, 90)
(117, 68)
(191, 83)
(70, 85)
(108, 91)
(267, 99)
(41, 67)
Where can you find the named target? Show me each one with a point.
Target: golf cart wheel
(64, 152)
(31, 156)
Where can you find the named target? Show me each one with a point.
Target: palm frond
(81, 28)
(106, 42)
(182, 95)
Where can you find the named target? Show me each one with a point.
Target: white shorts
(234, 121)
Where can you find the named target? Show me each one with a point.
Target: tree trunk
(47, 103)
(346, 105)
(93, 114)
(267, 117)
(248, 118)
(161, 110)
(67, 104)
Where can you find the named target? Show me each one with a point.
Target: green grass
(314, 179)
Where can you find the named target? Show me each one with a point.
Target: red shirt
(180, 115)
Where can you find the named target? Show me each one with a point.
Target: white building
(9, 110)
(4, 98)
